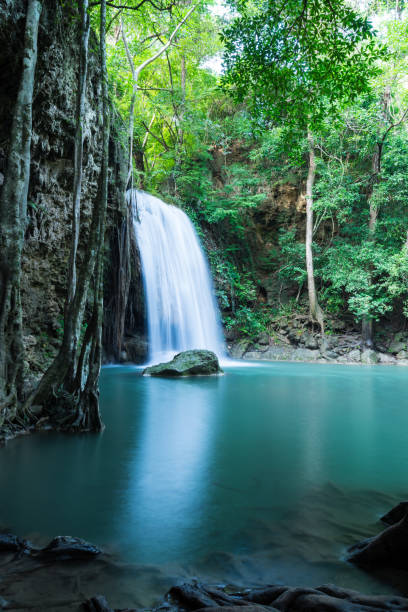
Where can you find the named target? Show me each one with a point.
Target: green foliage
(248, 321)
(296, 60)
(367, 279)
(292, 257)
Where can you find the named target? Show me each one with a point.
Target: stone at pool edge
(188, 363)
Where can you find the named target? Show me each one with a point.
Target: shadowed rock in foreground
(396, 514)
(187, 363)
(326, 598)
(387, 549)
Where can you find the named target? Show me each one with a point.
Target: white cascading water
(182, 313)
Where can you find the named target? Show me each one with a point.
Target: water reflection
(169, 467)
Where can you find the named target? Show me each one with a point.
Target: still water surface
(266, 473)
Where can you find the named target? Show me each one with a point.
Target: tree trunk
(316, 312)
(13, 210)
(78, 153)
(88, 409)
(183, 98)
(367, 323)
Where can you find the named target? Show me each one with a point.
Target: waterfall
(182, 313)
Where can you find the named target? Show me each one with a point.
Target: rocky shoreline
(69, 574)
(293, 344)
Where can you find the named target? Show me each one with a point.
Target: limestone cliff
(48, 230)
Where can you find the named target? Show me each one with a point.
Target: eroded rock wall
(48, 231)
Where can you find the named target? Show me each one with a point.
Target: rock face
(48, 231)
(136, 349)
(187, 363)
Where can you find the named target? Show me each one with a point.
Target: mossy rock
(187, 363)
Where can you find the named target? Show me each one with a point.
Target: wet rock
(369, 357)
(387, 549)
(294, 336)
(396, 514)
(381, 348)
(230, 335)
(187, 363)
(263, 339)
(274, 353)
(11, 543)
(240, 348)
(97, 604)
(241, 608)
(402, 355)
(324, 598)
(327, 343)
(136, 349)
(331, 354)
(385, 358)
(63, 548)
(396, 347)
(311, 342)
(354, 355)
(304, 354)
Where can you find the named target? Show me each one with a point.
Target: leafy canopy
(297, 59)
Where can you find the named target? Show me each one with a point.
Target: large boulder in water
(187, 363)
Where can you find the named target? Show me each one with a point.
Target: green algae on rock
(187, 363)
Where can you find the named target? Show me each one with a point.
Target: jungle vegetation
(306, 89)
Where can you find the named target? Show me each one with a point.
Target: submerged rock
(187, 363)
(63, 548)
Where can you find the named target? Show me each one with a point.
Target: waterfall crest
(182, 313)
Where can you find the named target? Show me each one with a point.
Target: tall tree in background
(295, 61)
